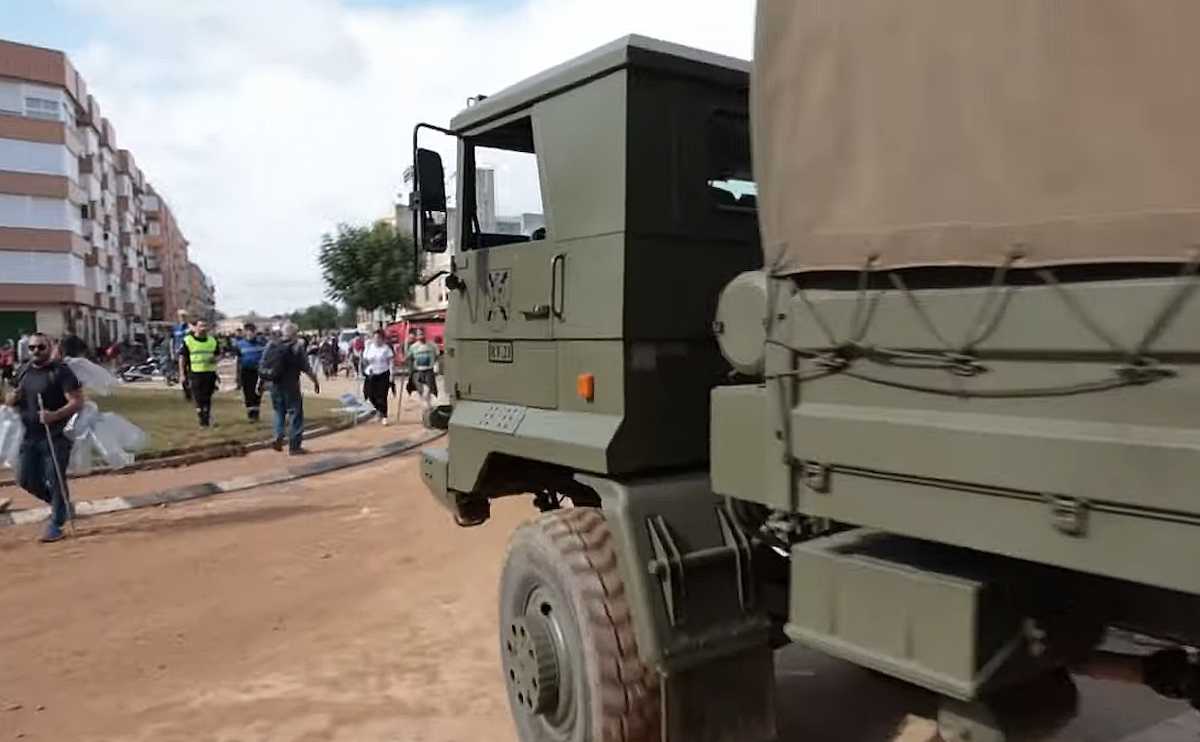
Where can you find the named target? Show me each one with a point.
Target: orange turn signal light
(585, 386)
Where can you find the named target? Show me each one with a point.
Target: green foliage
(368, 267)
(323, 316)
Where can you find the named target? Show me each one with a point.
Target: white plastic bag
(12, 432)
(129, 436)
(106, 443)
(103, 438)
(83, 421)
(96, 379)
(353, 407)
(81, 459)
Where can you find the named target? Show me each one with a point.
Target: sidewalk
(366, 436)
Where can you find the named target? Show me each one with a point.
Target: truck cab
(558, 339)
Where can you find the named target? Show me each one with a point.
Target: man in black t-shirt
(47, 395)
(286, 395)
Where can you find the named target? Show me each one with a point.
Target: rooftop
(629, 51)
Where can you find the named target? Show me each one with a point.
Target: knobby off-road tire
(567, 644)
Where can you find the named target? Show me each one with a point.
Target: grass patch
(170, 421)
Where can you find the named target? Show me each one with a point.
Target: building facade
(202, 294)
(76, 254)
(170, 274)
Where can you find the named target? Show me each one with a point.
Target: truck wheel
(570, 659)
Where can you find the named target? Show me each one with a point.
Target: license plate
(500, 351)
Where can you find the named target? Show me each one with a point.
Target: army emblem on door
(498, 298)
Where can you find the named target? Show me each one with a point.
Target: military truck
(919, 389)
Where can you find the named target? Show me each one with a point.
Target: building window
(42, 108)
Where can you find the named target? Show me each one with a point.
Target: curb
(198, 454)
(89, 508)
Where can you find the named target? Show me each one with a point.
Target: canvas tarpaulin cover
(960, 132)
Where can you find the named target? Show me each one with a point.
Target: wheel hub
(531, 664)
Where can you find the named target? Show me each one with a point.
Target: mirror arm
(430, 279)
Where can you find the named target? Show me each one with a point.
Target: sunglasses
(38, 346)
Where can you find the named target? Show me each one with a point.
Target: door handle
(558, 266)
(537, 311)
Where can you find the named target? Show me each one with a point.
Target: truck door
(502, 347)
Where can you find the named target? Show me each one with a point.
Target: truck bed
(1063, 439)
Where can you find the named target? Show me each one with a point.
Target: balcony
(74, 143)
(75, 194)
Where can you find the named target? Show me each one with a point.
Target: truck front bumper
(468, 510)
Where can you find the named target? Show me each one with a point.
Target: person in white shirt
(377, 360)
(23, 354)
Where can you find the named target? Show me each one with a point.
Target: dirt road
(343, 607)
(339, 608)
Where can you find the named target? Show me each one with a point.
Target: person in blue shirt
(178, 332)
(248, 347)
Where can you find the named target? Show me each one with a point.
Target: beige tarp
(933, 132)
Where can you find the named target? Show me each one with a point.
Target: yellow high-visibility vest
(202, 354)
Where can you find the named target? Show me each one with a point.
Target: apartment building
(74, 249)
(202, 294)
(169, 276)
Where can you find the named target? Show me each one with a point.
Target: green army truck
(919, 389)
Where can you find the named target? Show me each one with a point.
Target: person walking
(424, 357)
(47, 395)
(329, 354)
(73, 346)
(179, 333)
(8, 364)
(198, 362)
(357, 346)
(23, 353)
(282, 363)
(248, 348)
(377, 361)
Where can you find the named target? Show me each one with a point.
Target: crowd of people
(35, 380)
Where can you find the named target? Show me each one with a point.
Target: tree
(347, 316)
(323, 316)
(368, 267)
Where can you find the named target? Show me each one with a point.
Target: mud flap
(691, 588)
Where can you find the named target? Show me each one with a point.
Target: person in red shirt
(357, 346)
(8, 364)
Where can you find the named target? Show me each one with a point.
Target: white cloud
(265, 123)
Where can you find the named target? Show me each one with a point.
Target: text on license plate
(500, 351)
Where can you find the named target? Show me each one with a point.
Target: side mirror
(430, 180)
(429, 201)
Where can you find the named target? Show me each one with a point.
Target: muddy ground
(342, 607)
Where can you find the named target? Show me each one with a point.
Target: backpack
(275, 362)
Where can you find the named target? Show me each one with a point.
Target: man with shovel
(47, 395)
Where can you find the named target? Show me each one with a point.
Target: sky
(265, 123)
